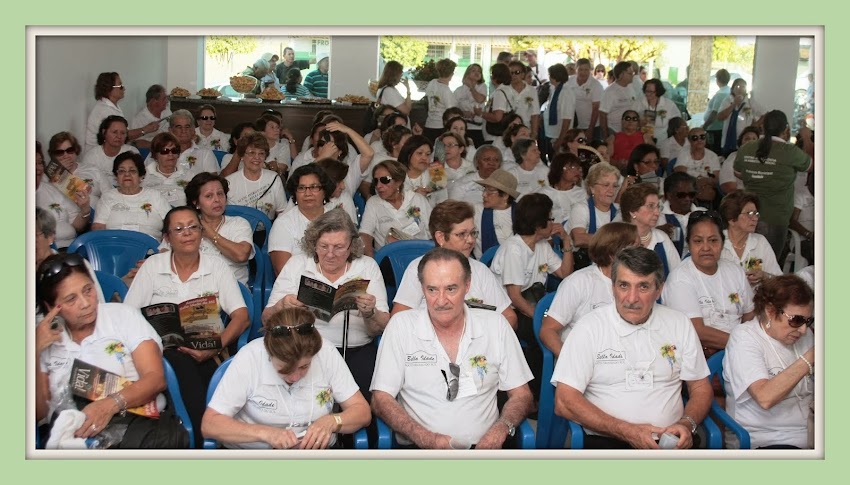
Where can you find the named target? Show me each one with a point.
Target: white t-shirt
(362, 268)
(503, 225)
(103, 107)
(251, 391)
(233, 228)
(749, 113)
(698, 168)
(671, 149)
(440, 98)
(756, 250)
(516, 264)
(157, 283)
(280, 153)
(144, 117)
(580, 217)
(563, 201)
(615, 101)
(197, 160)
(265, 194)
(719, 299)
(525, 102)
(805, 202)
(96, 180)
(410, 358)
(120, 329)
(288, 230)
(215, 141)
(142, 212)
(390, 95)
(63, 209)
(499, 101)
(727, 172)
(101, 161)
(602, 349)
(751, 355)
(664, 110)
(172, 186)
(466, 189)
(565, 110)
(529, 181)
(579, 294)
(484, 287)
(411, 218)
(585, 95)
(466, 102)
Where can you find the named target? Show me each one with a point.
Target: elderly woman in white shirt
(64, 148)
(108, 90)
(71, 218)
(111, 140)
(641, 206)
(743, 245)
(253, 185)
(165, 175)
(208, 136)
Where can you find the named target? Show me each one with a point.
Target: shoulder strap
(267, 188)
(488, 230)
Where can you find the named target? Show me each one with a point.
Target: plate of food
(353, 99)
(179, 92)
(243, 84)
(271, 95)
(209, 93)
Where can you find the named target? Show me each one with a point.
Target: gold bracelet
(338, 420)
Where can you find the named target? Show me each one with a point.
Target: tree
(223, 47)
(597, 49)
(408, 51)
(726, 49)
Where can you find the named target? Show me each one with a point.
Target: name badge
(412, 229)
(639, 381)
(466, 386)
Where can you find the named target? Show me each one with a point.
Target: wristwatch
(338, 420)
(510, 426)
(691, 421)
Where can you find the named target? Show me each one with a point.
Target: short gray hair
(484, 148)
(181, 113)
(45, 223)
(334, 220)
(444, 254)
(640, 261)
(154, 92)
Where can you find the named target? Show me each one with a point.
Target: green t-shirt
(773, 180)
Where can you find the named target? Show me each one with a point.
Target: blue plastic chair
(717, 413)
(551, 428)
(114, 251)
(254, 217)
(361, 440)
(400, 254)
(387, 439)
(670, 164)
(177, 400)
(253, 325)
(144, 152)
(219, 156)
(110, 285)
(487, 257)
(360, 203)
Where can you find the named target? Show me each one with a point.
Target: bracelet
(338, 420)
(122, 403)
(811, 367)
(143, 131)
(86, 216)
(691, 421)
(291, 141)
(215, 240)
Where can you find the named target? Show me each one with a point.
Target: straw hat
(501, 180)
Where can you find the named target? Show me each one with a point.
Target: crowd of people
(654, 262)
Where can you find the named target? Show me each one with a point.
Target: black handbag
(498, 128)
(165, 433)
(534, 293)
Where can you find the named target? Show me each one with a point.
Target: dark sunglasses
(630, 118)
(691, 195)
(517, 73)
(798, 321)
(697, 137)
(166, 151)
(205, 118)
(54, 267)
(383, 180)
(699, 215)
(283, 331)
(60, 152)
(452, 383)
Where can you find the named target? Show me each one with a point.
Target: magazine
(93, 383)
(67, 183)
(325, 300)
(195, 323)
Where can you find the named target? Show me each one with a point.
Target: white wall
(354, 61)
(775, 72)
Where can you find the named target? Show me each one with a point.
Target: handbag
(165, 433)
(369, 122)
(534, 293)
(498, 128)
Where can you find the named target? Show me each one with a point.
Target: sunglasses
(172, 150)
(697, 137)
(120, 86)
(55, 267)
(283, 331)
(798, 321)
(517, 73)
(383, 180)
(630, 118)
(205, 118)
(180, 230)
(683, 195)
(68, 151)
(699, 215)
(751, 213)
(452, 383)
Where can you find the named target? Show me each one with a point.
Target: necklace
(163, 173)
(743, 243)
(645, 239)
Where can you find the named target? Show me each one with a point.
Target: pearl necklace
(645, 239)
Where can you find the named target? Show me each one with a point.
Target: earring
(767, 325)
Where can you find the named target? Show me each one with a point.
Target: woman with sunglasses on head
(744, 246)
(333, 254)
(769, 366)
(311, 189)
(165, 174)
(208, 136)
(293, 368)
(621, 143)
(255, 186)
(130, 206)
(112, 140)
(396, 211)
(182, 274)
(641, 206)
(112, 336)
(713, 292)
(701, 163)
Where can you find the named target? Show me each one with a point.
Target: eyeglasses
(630, 118)
(67, 151)
(186, 229)
(55, 266)
(120, 86)
(798, 321)
(572, 166)
(465, 234)
(491, 191)
(608, 186)
(308, 188)
(205, 118)
(450, 145)
(383, 180)
(332, 249)
(255, 154)
(172, 150)
(516, 73)
(653, 207)
(650, 162)
(697, 137)
(124, 171)
(284, 331)
(649, 92)
(750, 213)
(452, 383)
(581, 140)
(689, 195)
(700, 214)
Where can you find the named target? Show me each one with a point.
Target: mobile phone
(57, 322)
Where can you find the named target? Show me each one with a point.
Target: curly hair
(334, 220)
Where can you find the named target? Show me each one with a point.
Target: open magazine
(93, 383)
(68, 183)
(195, 323)
(325, 300)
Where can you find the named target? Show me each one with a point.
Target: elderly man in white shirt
(156, 108)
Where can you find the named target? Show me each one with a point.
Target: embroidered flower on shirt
(435, 99)
(325, 398)
(541, 182)
(182, 183)
(668, 351)
(529, 100)
(117, 349)
(587, 91)
(747, 110)
(268, 206)
(216, 144)
(734, 298)
(543, 268)
(479, 363)
(472, 299)
(147, 208)
(89, 182)
(662, 113)
(191, 160)
(207, 293)
(56, 207)
(414, 213)
(753, 263)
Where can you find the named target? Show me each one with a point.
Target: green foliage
(727, 50)
(604, 49)
(223, 47)
(409, 51)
